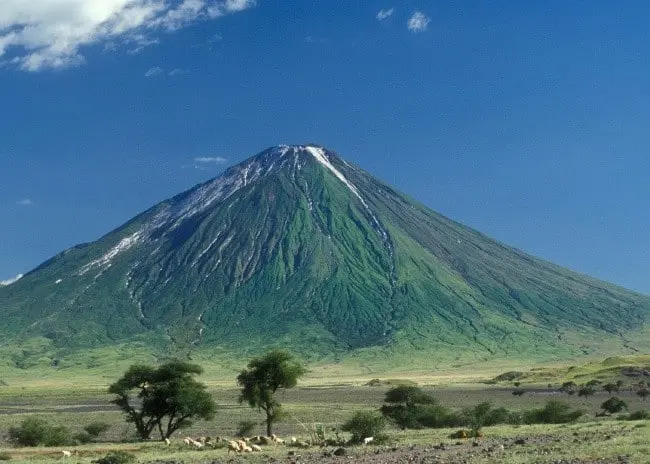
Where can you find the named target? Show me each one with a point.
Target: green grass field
(330, 397)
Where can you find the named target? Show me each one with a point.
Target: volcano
(295, 247)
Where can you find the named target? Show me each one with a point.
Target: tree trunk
(269, 424)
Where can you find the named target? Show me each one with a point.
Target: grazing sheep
(266, 440)
(256, 448)
(168, 441)
(368, 440)
(233, 446)
(279, 441)
(247, 449)
(293, 439)
(303, 444)
(193, 442)
(66, 453)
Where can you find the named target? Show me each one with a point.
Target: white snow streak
(319, 154)
(124, 245)
(194, 263)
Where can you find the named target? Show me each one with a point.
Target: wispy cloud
(153, 72)
(215, 38)
(315, 40)
(385, 14)
(419, 22)
(47, 34)
(206, 163)
(25, 202)
(210, 160)
(139, 42)
(178, 72)
(11, 281)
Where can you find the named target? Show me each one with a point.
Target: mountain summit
(297, 248)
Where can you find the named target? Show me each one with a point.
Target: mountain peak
(311, 149)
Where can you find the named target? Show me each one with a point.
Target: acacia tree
(166, 398)
(610, 388)
(408, 406)
(263, 377)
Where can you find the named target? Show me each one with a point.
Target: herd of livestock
(242, 445)
(248, 445)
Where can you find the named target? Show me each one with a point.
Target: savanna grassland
(331, 401)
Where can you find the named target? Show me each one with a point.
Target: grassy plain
(326, 397)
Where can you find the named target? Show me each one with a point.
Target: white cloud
(25, 202)
(178, 72)
(210, 160)
(11, 281)
(46, 34)
(419, 22)
(139, 42)
(155, 71)
(239, 5)
(215, 38)
(385, 14)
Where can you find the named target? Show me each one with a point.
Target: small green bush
(57, 436)
(31, 432)
(245, 428)
(554, 412)
(82, 438)
(610, 388)
(586, 390)
(34, 431)
(96, 428)
(568, 387)
(484, 415)
(364, 424)
(639, 415)
(436, 416)
(614, 405)
(116, 457)
(5, 457)
(509, 376)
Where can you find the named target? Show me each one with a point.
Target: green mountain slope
(297, 248)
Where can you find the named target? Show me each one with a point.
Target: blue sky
(526, 120)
